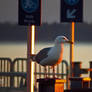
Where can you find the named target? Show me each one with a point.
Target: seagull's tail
(33, 57)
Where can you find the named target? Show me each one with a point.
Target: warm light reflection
(73, 28)
(86, 79)
(33, 39)
(60, 80)
(72, 48)
(61, 55)
(72, 45)
(89, 69)
(32, 77)
(32, 52)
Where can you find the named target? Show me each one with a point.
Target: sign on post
(29, 12)
(71, 10)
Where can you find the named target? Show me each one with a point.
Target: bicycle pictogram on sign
(30, 6)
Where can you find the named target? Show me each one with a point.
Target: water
(82, 51)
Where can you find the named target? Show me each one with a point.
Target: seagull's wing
(42, 54)
(54, 56)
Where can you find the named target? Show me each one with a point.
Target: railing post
(76, 69)
(67, 73)
(11, 77)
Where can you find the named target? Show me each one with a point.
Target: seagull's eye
(64, 38)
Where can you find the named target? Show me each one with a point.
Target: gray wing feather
(42, 54)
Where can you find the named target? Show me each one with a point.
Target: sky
(50, 11)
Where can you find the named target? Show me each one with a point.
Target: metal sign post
(30, 64)
(29, 14)
(72, 48)
(72, 11)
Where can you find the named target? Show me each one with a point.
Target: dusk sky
(50, 11)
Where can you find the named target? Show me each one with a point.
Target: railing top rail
(5, 58)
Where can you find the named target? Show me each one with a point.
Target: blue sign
(30, 6)
(71, 2)
(29, 12)
(71, 11)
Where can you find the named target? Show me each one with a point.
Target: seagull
(52, 56)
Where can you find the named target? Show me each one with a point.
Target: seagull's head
(62, 39)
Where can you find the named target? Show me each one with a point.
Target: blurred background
(13, 38)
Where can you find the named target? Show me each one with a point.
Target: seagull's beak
(68, 41)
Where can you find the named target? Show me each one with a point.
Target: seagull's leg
(53, 72)
(45, 72)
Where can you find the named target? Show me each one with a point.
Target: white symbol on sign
(29, 4)
(70, 14)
